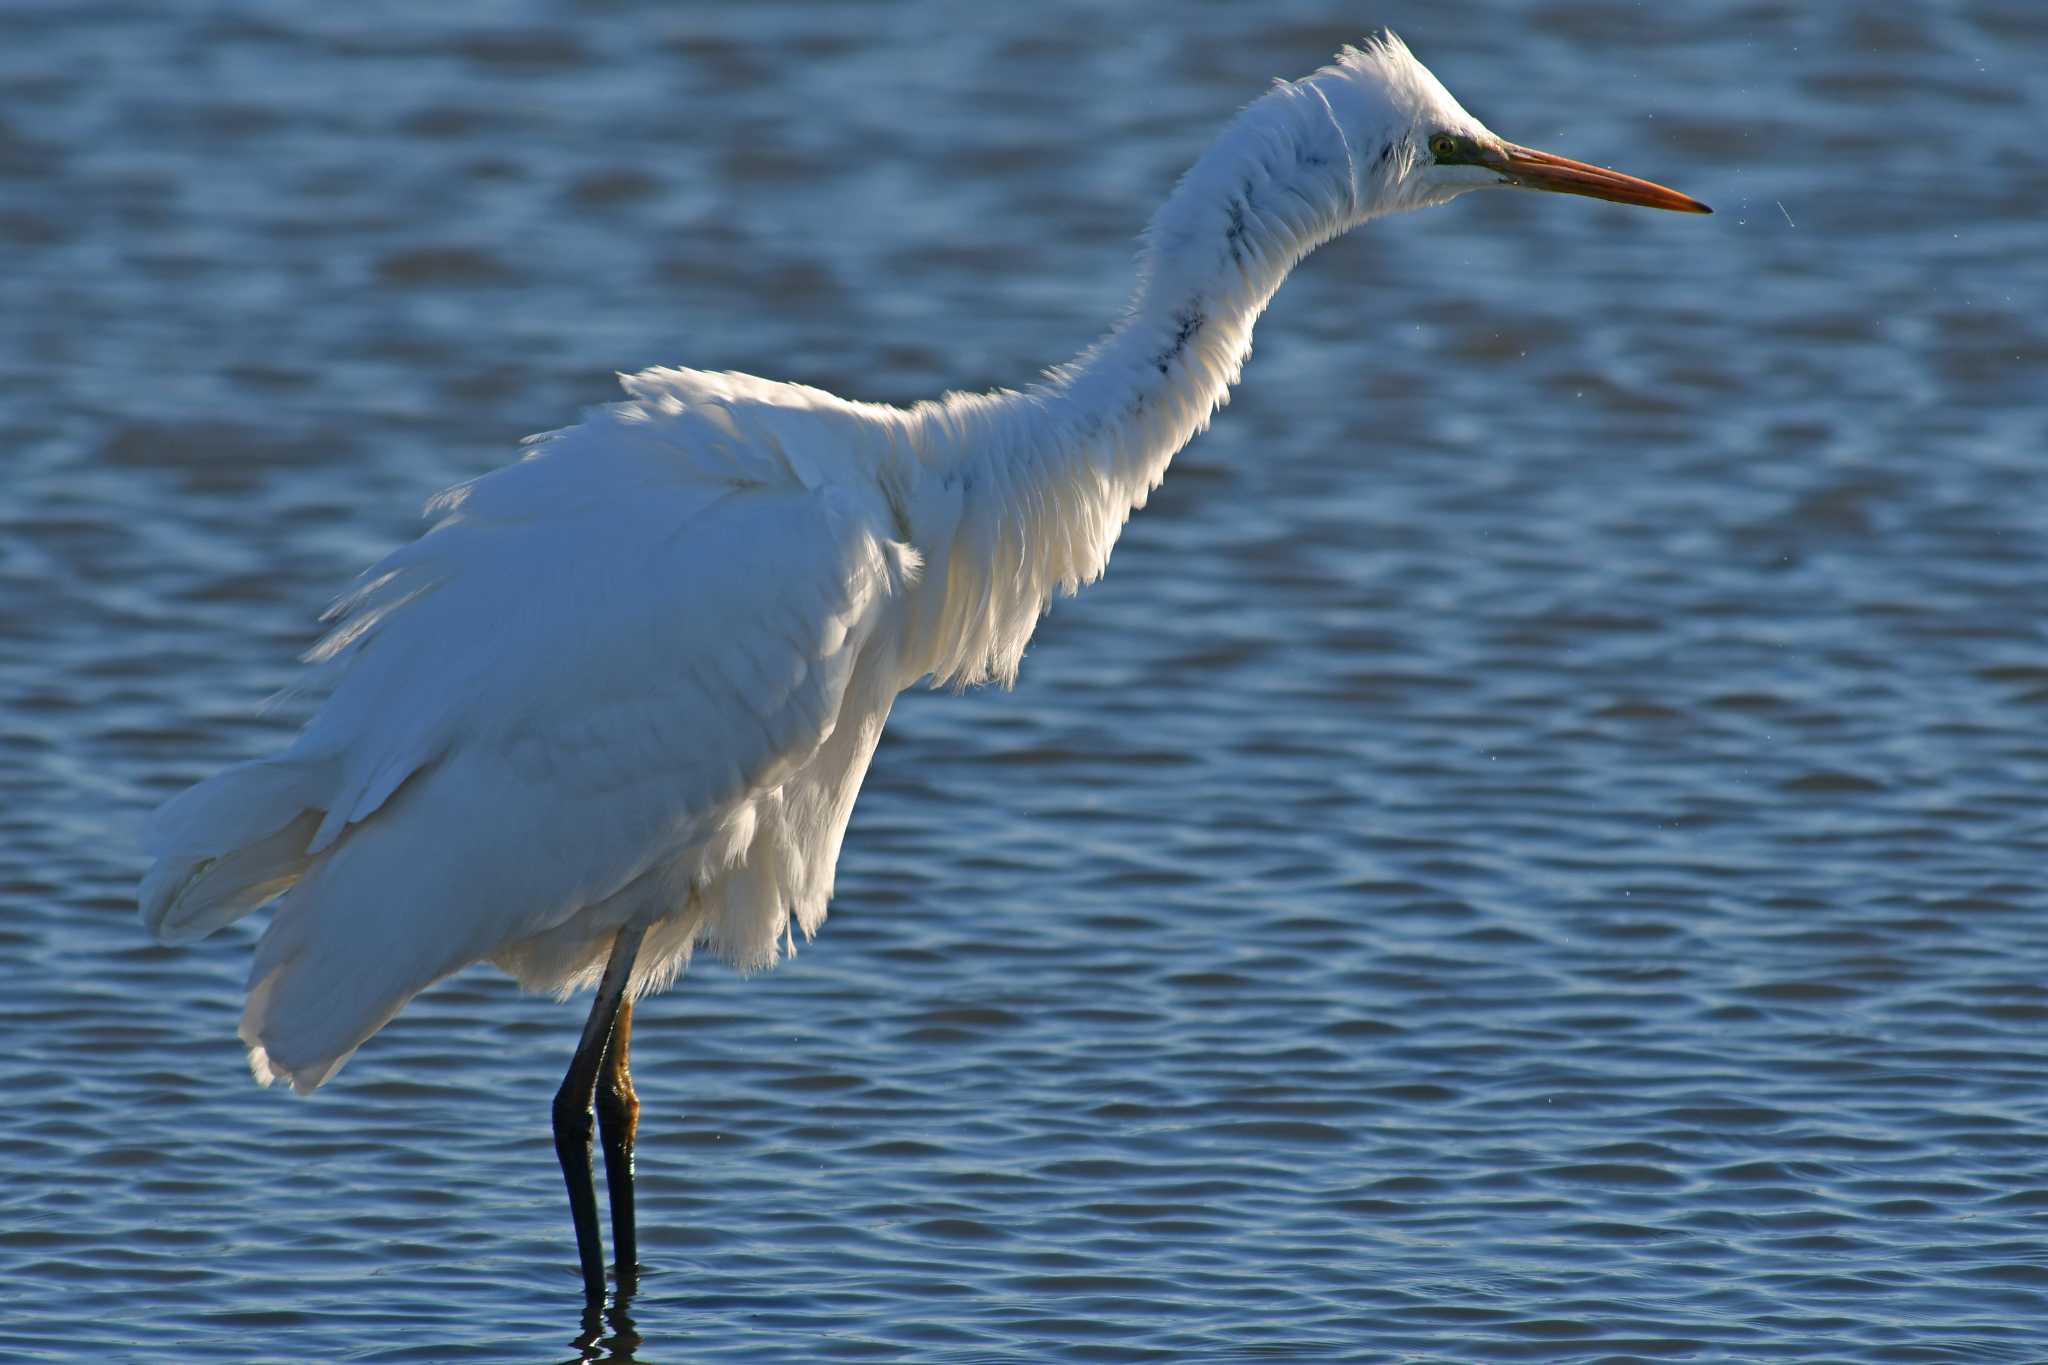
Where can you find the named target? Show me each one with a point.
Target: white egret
(615, 705)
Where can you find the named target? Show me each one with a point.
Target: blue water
(1533, 853)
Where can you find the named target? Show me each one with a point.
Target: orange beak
(1534, 170)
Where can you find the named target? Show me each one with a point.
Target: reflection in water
(608, 1336)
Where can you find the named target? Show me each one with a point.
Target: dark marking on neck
(1234, 235)
(1189, 320)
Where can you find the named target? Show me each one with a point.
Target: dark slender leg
(618, 1119)
(572, 1107)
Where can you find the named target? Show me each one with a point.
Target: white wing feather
(602, 679)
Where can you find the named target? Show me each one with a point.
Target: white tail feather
(230, 844)
(239, 805)
(184, 899)
(374, 921)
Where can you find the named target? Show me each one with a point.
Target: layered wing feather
(576, 688)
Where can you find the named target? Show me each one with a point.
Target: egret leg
(618, 1120)
(572, 1106)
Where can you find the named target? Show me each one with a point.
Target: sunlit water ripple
(1533, 853)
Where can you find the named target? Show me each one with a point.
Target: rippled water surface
(1533, 853)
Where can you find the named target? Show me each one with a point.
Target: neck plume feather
(1023, 494)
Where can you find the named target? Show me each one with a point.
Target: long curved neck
(1023, 494)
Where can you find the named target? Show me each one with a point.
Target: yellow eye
(1444, 146)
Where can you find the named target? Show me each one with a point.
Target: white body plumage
(638, 675)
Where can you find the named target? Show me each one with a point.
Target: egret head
(1414, 145)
